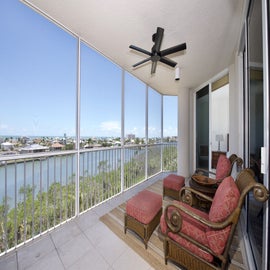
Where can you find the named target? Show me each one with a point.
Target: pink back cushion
(223, 167)
(225, 200)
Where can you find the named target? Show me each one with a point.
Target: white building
(7, 146)
(34, 148)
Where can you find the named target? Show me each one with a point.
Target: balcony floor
(81, 243)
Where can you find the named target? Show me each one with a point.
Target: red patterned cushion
(223, 167)
(190, 227)
(225, 200)
(173, 181)
(186, 217)
(191, 247)
(217, 239)
(144, 206)
(190, 219)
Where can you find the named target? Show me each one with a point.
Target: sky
(38, 83)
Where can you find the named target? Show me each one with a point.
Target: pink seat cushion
(223, 167)
(190, 227)
(173, 181)
(191, 247)
(217, 239)
(144, 206)
(188, 220)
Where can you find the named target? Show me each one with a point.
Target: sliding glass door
(202, 128)
(255, 129)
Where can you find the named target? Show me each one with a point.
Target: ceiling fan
(156, 54)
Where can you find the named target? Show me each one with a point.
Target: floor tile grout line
(82, 233)
(56, 249)
(17, 260)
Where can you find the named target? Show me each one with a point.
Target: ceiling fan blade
(157, 38)
(141, 62)
(168, 61)
(153, 68)
(173, 49)
(139, 50)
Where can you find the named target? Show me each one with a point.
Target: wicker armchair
(224, 167)
(198, 240)
(207, 182)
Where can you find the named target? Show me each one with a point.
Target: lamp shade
(219, 137)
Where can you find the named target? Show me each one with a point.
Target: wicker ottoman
(172, 185)
(143, 212)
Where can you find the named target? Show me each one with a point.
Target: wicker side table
(207, 190)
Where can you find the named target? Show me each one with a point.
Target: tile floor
(82, 243)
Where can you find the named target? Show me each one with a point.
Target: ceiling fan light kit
(156, 54)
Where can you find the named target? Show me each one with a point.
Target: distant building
(7, 146)
(87, 146)
(116, 143)
(34, 148)
(131, 136)
(57, 146)
(24, 140)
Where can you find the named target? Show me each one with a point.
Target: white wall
(183, 133)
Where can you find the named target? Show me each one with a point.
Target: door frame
(193, 127)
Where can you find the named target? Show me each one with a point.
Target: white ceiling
(210, 28)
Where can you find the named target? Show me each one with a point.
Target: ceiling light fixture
(177, 73)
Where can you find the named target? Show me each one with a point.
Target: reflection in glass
(202, 128)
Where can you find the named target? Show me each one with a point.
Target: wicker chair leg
(125, 226)
(165, 248)
(145, 243)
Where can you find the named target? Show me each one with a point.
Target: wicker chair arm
(187, 192)
(260, 192)
(239, 161)
(204, 172)
(236, 160)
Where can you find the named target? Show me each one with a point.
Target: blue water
(62, 169)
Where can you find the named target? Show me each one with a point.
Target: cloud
(170, 131)
(111, 126)
(3, 127)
